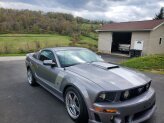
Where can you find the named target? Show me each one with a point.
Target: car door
(47, 74)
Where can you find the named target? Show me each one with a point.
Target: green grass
(153, 63)
(24, 43)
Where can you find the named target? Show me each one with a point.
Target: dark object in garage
(121, 42)
(135, 53)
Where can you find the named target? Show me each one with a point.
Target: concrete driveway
(21, 103)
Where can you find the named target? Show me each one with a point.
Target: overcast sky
(116, 10)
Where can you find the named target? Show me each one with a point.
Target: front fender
(88, 90)
(83, 92)
(79, 86)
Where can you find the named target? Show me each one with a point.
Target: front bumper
(134, 110)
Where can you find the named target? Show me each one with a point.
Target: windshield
(72, 57)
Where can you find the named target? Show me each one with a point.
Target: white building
(147, 36)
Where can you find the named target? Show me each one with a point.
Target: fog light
(99, 109)
(126, 94)
(111, 110)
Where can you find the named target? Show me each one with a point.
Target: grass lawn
(23, 43)
(153, 63)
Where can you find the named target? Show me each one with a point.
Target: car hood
(110, 76)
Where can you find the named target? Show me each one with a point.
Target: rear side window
(46, 55)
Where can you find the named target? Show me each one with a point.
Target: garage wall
(141, 36)
(155, 47)
(105, 42)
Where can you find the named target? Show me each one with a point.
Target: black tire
(32, 82)
(83, 115)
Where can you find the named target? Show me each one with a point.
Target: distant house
(147, 36)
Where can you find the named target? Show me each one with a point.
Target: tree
(160, 15)
(26, 21)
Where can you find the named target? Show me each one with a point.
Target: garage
(121, 42)
(134, 38)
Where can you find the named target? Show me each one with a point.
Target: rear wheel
(75, 106)
(30, 77)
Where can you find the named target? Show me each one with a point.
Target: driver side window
(46, 55)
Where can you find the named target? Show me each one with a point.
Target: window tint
(46, 55)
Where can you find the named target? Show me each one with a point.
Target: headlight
(106, 97)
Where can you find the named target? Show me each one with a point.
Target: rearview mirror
(49, 63)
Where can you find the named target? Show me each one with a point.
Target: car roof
(64, 48)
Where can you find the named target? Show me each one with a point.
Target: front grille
(135, 92)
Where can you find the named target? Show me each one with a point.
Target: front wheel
(75, 106)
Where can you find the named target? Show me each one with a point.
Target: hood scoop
(105, 65)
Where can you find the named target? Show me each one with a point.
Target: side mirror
(49, 63)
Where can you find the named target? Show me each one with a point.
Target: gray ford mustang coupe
(93, 90)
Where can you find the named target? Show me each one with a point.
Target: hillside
(38, 22)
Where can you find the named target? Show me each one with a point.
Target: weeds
(6, 48)
(37, 45)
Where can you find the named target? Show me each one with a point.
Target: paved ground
(21, 103)
(12, 58)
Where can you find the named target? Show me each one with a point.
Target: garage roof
(147, 25)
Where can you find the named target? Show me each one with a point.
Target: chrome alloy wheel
(72, 105)
(29, 76)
